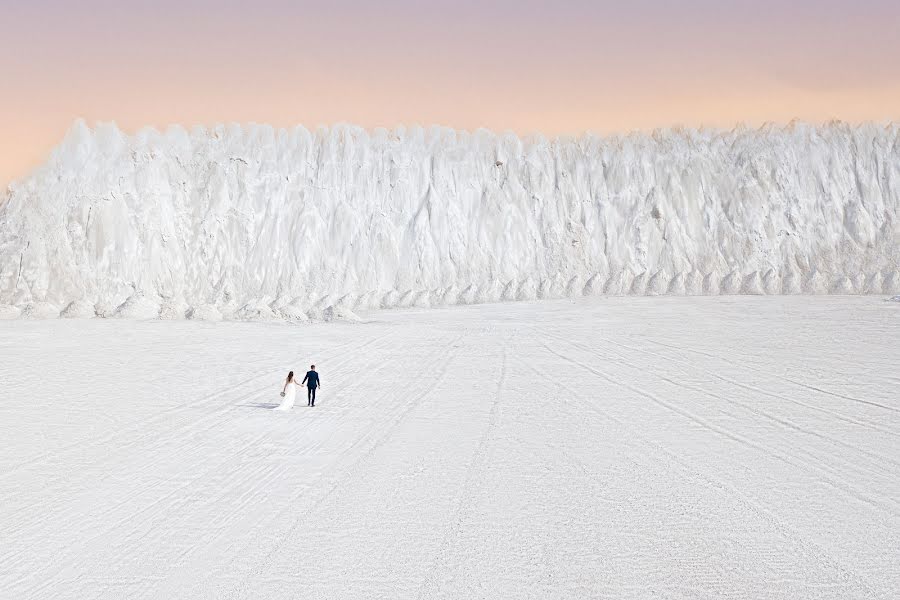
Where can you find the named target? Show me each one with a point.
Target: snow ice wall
(253, 222)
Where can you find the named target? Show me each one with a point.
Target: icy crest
(258, 223)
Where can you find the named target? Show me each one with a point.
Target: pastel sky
(556, 67)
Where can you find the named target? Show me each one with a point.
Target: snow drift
(258, 223)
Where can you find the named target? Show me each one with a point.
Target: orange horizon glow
(526, 67)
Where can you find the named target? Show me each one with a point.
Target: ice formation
(257, 223)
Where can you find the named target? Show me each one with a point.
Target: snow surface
(239, 222)
(728, 447)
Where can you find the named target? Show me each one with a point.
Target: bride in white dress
(289, 392)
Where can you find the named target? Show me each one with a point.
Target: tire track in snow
(474, 480)
(187, 431)
(810, 549)
(162, 416)
(189, 428)
(755, 389)
(784, 422)
(155, 511)
(226, 527)
(788, 379)
(242, 588)
(182, 408)
(839, 484)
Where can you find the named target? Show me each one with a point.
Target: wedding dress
(289, 395)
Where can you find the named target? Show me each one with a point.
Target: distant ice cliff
(259, 223)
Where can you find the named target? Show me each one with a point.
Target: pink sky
(553, 67)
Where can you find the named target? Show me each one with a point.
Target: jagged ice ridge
(260, 223)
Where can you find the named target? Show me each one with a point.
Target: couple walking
(289, 391)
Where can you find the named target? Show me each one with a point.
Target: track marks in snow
(444, 565)
(716, 485)
(727, 397)
(184, 409)
(358, 454)
(790, 380)
(508, 451)
(885, 502)
(143, 508)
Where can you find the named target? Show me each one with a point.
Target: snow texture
(740, 448)
(240, 222)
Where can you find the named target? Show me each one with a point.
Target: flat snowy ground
(625, 448)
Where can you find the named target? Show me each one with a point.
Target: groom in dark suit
(312, 382)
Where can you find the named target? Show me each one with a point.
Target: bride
(288, 392)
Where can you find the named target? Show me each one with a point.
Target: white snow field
(253, 223)
(710, 447)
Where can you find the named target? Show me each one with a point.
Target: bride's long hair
(290, 376)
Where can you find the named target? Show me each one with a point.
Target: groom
(312, 382)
